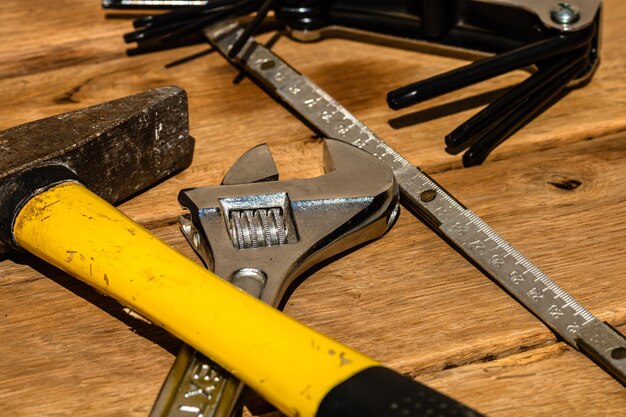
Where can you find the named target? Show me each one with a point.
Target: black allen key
(150, 4)
(175, 15)
(250, 28)
(534, 105)
(477, 126)
(487, 68)
(153, 32)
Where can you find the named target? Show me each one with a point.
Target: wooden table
(408, 299)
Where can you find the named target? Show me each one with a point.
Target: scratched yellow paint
(291, 365)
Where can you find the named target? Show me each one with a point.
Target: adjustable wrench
(261, 234)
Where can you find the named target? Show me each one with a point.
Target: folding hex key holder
(558, 42)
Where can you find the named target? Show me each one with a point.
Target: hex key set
(557, 42)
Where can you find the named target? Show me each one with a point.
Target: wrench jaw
(256, 165)
(262, 235)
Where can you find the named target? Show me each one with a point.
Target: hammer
(118, 148)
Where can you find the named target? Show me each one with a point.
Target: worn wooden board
(408, 299)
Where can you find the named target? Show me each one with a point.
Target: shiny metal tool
(261, 234)
(432, 204)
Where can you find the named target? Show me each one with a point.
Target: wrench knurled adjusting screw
(257, 228)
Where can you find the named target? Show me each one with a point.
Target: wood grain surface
(408, 299)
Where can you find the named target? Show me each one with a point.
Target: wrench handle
(197, 387)
(289, 364)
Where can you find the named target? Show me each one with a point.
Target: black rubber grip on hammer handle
(381, 392)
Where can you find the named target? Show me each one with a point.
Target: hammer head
(115, 149)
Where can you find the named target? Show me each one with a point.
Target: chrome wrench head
(261, 234)
(253, 219)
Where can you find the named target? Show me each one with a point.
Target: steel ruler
(462, 228)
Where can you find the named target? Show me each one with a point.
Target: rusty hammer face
(115, 149)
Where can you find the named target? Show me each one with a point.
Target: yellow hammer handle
(289, 364)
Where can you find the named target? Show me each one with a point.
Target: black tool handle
(499, 111)
(526, 111)
(381, 392)
(488, 68)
